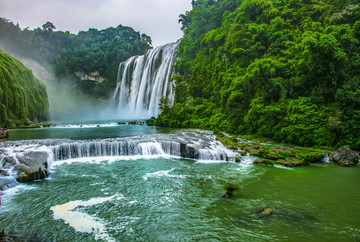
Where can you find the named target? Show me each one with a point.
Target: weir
(143, 80)
(32, 159)
(144, 148)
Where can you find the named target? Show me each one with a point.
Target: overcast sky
(157, 18)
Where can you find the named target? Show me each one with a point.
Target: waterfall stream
(143, 80)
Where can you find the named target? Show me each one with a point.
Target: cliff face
(23, 98)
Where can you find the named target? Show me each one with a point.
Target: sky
(156, 18)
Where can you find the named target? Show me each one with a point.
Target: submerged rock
(17, 237)
(266, 212)
(344, 156)
(3, 233)
(230, 189)
(7, 182)
(237, 159)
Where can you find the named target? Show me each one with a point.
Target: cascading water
(143, 80)
(177, 144)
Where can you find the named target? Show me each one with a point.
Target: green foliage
(164, 105)
(86, 52)
(286, 70)
(23, 98)
(307, 124)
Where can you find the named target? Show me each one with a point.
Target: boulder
(29, 165)
(344, 156)
(33, 166)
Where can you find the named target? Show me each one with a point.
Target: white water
(81, 221)
(190, 144)
(142, 81)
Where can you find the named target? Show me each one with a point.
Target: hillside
(285, 70)
(23, 98)
(87, 61)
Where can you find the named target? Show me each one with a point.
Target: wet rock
(266, 212)
(344, 156)
(237, 159)
(253, 150)
(17, 237)
(230, 189)
(243, 153)
(3, 233)
(290, 162)
(269, 155)
(264, 162)
(29, 165)
(7, 182)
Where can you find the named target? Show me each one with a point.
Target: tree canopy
(65, 54)
(286, 70)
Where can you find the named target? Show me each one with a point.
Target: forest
(64, 53)
(23, 98)
(284, 70)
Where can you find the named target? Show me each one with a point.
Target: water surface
(150, 198)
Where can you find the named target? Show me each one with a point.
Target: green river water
(173, 199)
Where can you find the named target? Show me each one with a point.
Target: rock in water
(230, 188)
(34, 166)
(266, 212)
(264, 162)
(344, 156)
(29, 165)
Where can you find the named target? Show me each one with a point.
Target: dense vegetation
(23, 98)
(65, 54)
(287, 70)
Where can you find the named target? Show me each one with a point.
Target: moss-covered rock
(279, 154)
(243, 153)
(265, 162)
(291, 162)
(23, 98)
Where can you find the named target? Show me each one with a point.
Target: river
(158, 196)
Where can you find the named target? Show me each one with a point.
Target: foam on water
(81, 221)
(84, 126)
(11, 192)
(163, 173)
(284, 167)
(109, 159)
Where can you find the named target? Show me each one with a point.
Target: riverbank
(271, 154)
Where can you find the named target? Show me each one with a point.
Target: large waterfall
(143, 80)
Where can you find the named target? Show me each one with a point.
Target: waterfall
(145, 147)
(142, 81)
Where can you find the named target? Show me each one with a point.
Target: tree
(49, 26)
(164, 105)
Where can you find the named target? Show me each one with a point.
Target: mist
(66, 102)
